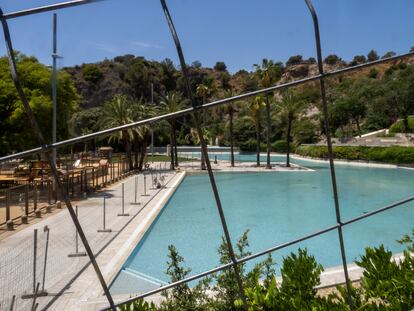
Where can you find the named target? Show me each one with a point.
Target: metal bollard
(12, 303)
(136, 192)
(35, 287)
(26, 199)
(145, 187)
(7, 206)
(77, 253)
(123, 203)
(104, 229)
(34, 196)
(43, 292)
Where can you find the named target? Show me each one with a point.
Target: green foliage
(395, 154)
(15, 134)
(373, 73)
(358, 59)
(400, 126)
(372, 56)
(389, 54)
(196, 64)
(92, 73)
(294, 60)
(139, 305)
(385, 284)
(332, 59)
(85, 121)
(280, 146)
(220, 66)
(305, 132)
(182, 297)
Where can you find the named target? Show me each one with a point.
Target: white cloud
(144, 45)
(106, 47)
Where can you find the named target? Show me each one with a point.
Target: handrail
(46, 8)
(200, 107)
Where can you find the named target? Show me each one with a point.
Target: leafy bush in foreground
(385, 285)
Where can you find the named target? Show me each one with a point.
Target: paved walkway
(16, 251)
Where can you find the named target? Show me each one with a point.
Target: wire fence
(63, 242)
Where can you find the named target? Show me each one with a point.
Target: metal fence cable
(38, 133)
(330, 151)
(172, 115)
(204, 152)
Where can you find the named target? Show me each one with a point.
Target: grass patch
(164, 158)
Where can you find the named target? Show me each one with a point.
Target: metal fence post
(34, 196)
(47, 231)
(123, 202)
(7, 205)
(330, 152)
(77, 253)
(205, 153)
(135, 192)
(26, 199)
(104, 229)
(12, 303)
(145, 185)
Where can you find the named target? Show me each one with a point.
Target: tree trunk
(231, 138)
(142, 154)
(136, 152)
(203, 160)
(174, 146)
(127, 146)
(288, 143)
(129, 156)
(268, 125)
(257, 140)
(406, 125)
(358, 127)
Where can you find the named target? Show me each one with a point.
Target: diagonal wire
(330, 152)
(38, 133)
(205, 153)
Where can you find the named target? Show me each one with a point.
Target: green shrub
(394, 154)
(280, 146)
(398, 127)
(92, 73)
(385, 285)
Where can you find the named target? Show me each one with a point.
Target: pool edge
(140, 227)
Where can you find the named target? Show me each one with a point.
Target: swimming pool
(275, 207)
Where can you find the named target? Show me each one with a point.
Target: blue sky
(238, 32)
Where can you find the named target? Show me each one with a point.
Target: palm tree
(230, 111)
(172, 102)
(203, 91)
(117, 112)
(268, 73)
(193, 136)
(141, 110)
(290, 108)
(255, 108)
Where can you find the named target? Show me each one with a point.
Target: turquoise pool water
(275, 207)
